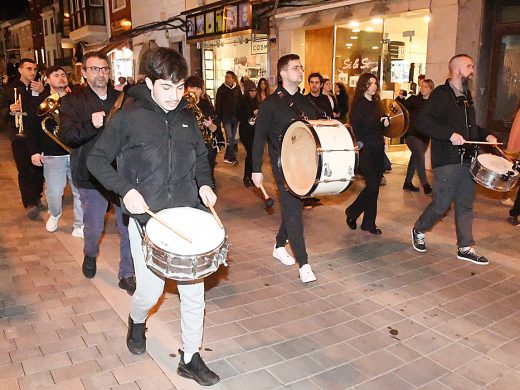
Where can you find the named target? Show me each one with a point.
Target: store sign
(358, 63)
(225, 19)
(259, 47)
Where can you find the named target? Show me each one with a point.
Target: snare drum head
(199, 226)
(299, 158)
(496, 164)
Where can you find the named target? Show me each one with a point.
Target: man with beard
(449, 119)
(82, 116)
(55, 160)
(316, 97)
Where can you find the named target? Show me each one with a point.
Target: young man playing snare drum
(161, 163)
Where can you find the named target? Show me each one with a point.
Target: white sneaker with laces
(78, 232)
(306, 274)
(52, 223)
(282, 255)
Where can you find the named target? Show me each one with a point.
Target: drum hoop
(212, 252)
(320, 159)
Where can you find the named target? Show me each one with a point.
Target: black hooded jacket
(443, 115)
(161, 155)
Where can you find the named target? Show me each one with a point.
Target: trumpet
(191, 97)
(18, 116)
(50, 108)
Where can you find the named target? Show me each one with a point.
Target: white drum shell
(172, 257)
(494, 172)
(317, 157)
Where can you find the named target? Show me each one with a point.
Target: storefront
(229, 39)
(121, 62)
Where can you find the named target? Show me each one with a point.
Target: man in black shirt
(449, 119)
(274, 115)
(316, 97)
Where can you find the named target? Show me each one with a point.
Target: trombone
(18, 116)
(50, 108)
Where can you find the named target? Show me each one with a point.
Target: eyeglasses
(297, 68)
(96, 69)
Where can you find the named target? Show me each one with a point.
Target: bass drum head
(199, 226)
(299, 159)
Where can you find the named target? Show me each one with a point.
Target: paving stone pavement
(380, 316)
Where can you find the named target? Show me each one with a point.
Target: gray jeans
(451, 183)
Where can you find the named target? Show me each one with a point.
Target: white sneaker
(508, 202)
(78, 232)
(306, 274)
(52, 223)
(282, 255)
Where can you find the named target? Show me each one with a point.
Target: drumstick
(216, 216)
(162, 221)
(483, 143)
(503, 154)
(269, 202)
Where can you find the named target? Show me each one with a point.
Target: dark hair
(94, 54)
(24, 60)
(259, 89)
(315, 74)
(121, 79)
(362, 86)
(193, 82)
(166, 64)
(421, 77)
(429, 82)
(283, 62)
(341, 86)
(51, 69)
(231, 73)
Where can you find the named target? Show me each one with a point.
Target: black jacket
(274, 116)
(246, 109)
(323, 104)
(443, 115)
(161, 155)
(209, 112)
(227, 100)
(365, 118)
(414, 104)
(78, 132)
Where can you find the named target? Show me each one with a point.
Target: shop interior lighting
(348, 44)
(369, 29)
(375, 47)
(66, 14)
(354, 24)
(356, 30)
(427, 18)
(354, 37)
(377, 21)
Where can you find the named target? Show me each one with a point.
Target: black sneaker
(513, 220)
(127, 284)
(135, 338)
(33, 212)
(427, 189)
(408, 186)
(197, 370)
(472, 255)
(89, 267)
(418, 241)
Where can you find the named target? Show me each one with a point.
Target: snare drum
(317, 157)
(494, 172)
(172, 257)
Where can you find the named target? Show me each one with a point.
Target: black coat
(365, 118)
(443, 115)
(161, 155)
(274, 116)
(246, 109)
(227, 100)
(323, 104)
(414, 104)
(78, 132)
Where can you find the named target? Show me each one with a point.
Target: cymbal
(399, 118)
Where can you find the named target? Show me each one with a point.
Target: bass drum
(317, 158)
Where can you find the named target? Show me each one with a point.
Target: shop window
(118, 5)
(52, 24)
(46, 31)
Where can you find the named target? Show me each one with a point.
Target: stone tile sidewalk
(380, 316)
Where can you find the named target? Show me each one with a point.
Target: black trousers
(515, 211)
(247, 135)
(291, 227)
(366, 202)
(212, 156)
(30, 177)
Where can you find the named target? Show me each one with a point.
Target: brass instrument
(191, 97)
(252, 120)
(50, 108)
(18, 116)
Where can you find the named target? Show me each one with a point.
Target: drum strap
(140, 227)
(299, 112)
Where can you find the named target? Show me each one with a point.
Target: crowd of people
(149, 146)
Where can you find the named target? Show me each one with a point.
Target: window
(52, 24)
(118, 5)
(45, 27)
